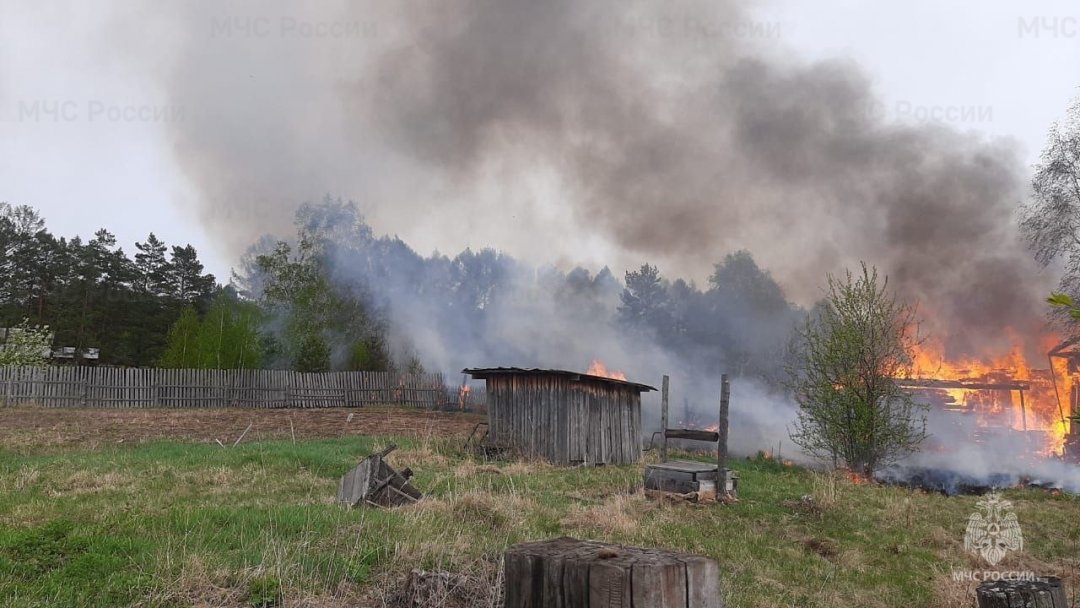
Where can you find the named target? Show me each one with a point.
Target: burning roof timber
(962, 384)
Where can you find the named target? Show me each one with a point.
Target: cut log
(373, 482)
(1045, 592)
(571, 573)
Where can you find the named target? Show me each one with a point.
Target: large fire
(597, 368)
(1007, 392)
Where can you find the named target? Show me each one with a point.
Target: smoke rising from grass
(599, 132)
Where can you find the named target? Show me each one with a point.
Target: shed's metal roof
(483, 372)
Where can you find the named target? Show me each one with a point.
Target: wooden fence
(255, 388)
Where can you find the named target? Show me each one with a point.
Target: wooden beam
(692, 434)
(960, 384)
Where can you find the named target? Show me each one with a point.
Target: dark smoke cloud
(575, 131)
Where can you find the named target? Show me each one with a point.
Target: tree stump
(571, 573)
(1045, 592)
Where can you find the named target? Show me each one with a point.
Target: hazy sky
(84, 121)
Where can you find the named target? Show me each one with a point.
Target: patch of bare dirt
(89, 428)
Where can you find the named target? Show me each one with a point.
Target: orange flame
(1036, 408)
(856, 478)
(597, 368)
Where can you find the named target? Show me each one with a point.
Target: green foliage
(264, 592)
(645, 301)
(1066, 303)
(314, 355)
(26, 345)
(182, 350)
(227, 337)
(298, 293)
(369, 354)
(843, 375)
(414, 366)
(90, 293)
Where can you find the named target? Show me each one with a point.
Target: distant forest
(336, 296)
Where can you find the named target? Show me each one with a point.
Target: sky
(86, 123)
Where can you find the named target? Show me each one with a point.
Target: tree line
(91, 294)
(330, 296)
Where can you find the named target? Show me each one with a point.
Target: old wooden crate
(374, 482)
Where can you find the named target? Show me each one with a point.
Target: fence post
(86, 393)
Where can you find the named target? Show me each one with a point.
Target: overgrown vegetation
(174, 525)
(25, 345)
(847, 357)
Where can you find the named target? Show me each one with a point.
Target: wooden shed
(564, 417)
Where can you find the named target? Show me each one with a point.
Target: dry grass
(181, 524)
(28, 429)
(618, 515)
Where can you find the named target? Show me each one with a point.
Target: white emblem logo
(992, 530)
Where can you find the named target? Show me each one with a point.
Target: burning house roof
(482, 373)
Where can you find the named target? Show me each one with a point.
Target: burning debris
(1003, 401)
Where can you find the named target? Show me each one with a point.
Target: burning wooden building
(564, 417)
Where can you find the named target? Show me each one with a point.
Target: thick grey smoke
(609, 131)
(599, 131)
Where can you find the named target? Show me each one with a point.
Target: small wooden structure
(373, 482)
(563, 417)
(1044, 592)
(570, 573)
(686, 476)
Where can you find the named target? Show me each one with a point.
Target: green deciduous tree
(227, 337)
(25, 345)
(314, 354)
(843, 370)
(1051, 219)
(182, 350)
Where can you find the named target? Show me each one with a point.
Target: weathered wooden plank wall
(565, 421)
(253, 388)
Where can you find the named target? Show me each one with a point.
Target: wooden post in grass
(663, 419)
(1044, 592)
(571, 573)
(721, 445)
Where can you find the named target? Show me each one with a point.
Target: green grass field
(169, 524)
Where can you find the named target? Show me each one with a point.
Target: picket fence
(112, 387)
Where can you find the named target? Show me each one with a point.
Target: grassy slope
(171, 524)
